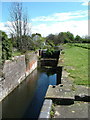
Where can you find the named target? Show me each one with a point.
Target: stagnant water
(27, 99)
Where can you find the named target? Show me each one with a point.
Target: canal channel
(27, 99)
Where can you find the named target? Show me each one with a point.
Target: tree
(78, 39)
(19, 24)
(6, 46)
(70, 37)
(86, 39)
(50, 39)
(61, 37)
(38, 41)
(65, 37)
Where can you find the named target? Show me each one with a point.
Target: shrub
(49, 52)
(6, 47)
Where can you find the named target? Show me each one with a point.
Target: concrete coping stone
(45, 111)
(1, 79)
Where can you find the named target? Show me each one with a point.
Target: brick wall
(32, 62)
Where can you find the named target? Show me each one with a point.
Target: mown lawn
(76, 58)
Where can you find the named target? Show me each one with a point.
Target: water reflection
(36, 104)
(27, 99)
(15, 105)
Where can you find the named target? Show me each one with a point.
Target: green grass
(16, 53)
(52, 112)
(77, 58)
(84, 45)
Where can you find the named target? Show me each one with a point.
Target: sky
(51, 17)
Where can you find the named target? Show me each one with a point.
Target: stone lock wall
(15, 71)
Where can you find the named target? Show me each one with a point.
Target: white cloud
(75, 27)
(62, 16)
(7, 27)
(58, 22)
(4, 28)
(62, 22)
(85, 3)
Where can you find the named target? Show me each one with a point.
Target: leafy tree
(70, 37)
(65, 37)
(50, 51)
(56, 40)
(6, 46)
(62, 37)
(50, 40)
(26, 40)
(78, 39)
(86, 39)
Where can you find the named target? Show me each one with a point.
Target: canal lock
(26, 100)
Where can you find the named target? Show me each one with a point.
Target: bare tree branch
(19, 23)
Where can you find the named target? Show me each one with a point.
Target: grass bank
(76, 62)
(83, 45)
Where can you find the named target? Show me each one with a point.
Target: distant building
(36, 37)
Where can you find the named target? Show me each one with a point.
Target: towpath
(70, 100)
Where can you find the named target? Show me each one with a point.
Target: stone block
(45, 111)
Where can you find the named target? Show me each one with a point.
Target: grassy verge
(83, 45)
(16, 53)
(76, 58)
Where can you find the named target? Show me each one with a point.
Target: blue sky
(52, 17)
